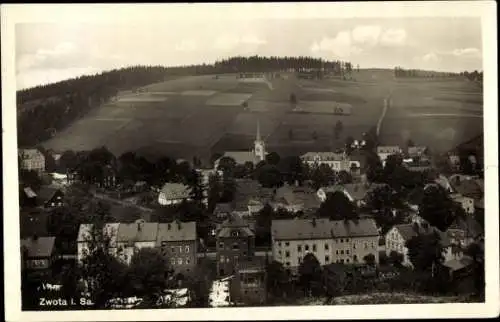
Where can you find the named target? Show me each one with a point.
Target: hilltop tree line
(400, 72)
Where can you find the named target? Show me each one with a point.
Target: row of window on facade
(180, 261)
(173, 248)
(235, 246)
(327, 260)
(227, 259)
(306, 247)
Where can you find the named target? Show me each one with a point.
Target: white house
(336, 161)
(173, 193)
(385, 151)
(32, 159)
(134, 236)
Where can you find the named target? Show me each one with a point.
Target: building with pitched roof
(340, 241)
(295, 198)
(133, 236)
(37, 253)
(235, 243)
(355, 192)
(32, 159)
(50, 197)
(385, 151)
(256, 155)
(249, 283)
(397, 236)
(178, 243)
(173, 193)
(417, 151)
(467, 192)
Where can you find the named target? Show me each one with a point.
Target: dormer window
(235, 233)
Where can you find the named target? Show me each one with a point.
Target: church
(241, 157)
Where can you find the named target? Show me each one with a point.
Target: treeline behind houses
(417, 73)
(46, 109)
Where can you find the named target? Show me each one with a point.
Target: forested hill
(44, 110)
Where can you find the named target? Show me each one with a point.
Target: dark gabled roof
(223, 208)
(322, 228)
(408, 231)
(234, 223)
(46, 193)
(39, 247)
(468, 188)
(176, 231)
(467, 224)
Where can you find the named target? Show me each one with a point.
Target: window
(299, 248)
(355, 258)
(327, 258)
(314, 247)
(236, 258)
(188, 261)
(299, 259)
(172, 249)
(221, 245)
(186, 249)
(337, 252)
(347, 240)
(326, 246)
(235, 233)
(179, 261)
(347, 251)
(366, 245)
(279, 244)
(172, 261)
(180, 249)
(222, 259)
(287, 244)
(347, 260)
(307, 247)
(279, 252)
(236, 246)
(341, 252)
(287, 263)
(287, 254)
(354, 246)
(341, 240)
(342, 261)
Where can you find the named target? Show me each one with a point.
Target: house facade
(178, 243)
(173, 193)
(345, 242)
(355, 192)
(384, 152)
(37, 253)
(134, 236)
(295, 198)
(50, 197)
(32, 159)
(249, 283)
(336, 161)
(235, 243)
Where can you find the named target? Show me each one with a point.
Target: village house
(235, 243)
(133, 236)
(454, 161)
(336, 161)
(174, 193)
(355, 192)
(397, 237)
(345, 242)
(32, 160)
(417, 151)
(50, 197)
(255, 156)
(178, 243)
(250, 197)
(205, 175)
(464, 231)
(466, 192)
(294, 198)
(384, 152)
(37, 253)
(27, 197)
(249, 283)
(88, 237)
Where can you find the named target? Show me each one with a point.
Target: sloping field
(439, 114)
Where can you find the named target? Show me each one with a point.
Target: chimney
(169, 226)
(179, 225)
(297, 183)
(35, 237)
(314, 222)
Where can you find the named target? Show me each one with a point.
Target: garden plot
(198, 93)
(326, 107)
(228, 99)
(141, 98)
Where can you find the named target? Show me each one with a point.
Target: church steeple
(259, 146)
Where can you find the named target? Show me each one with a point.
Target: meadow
(203, 115)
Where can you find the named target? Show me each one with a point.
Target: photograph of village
(273, 163)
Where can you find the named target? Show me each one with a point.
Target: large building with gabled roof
(339, 241)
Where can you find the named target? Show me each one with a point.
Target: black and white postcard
(235, 161)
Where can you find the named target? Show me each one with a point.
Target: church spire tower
(259, 146)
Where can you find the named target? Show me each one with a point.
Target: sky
(50, 52)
